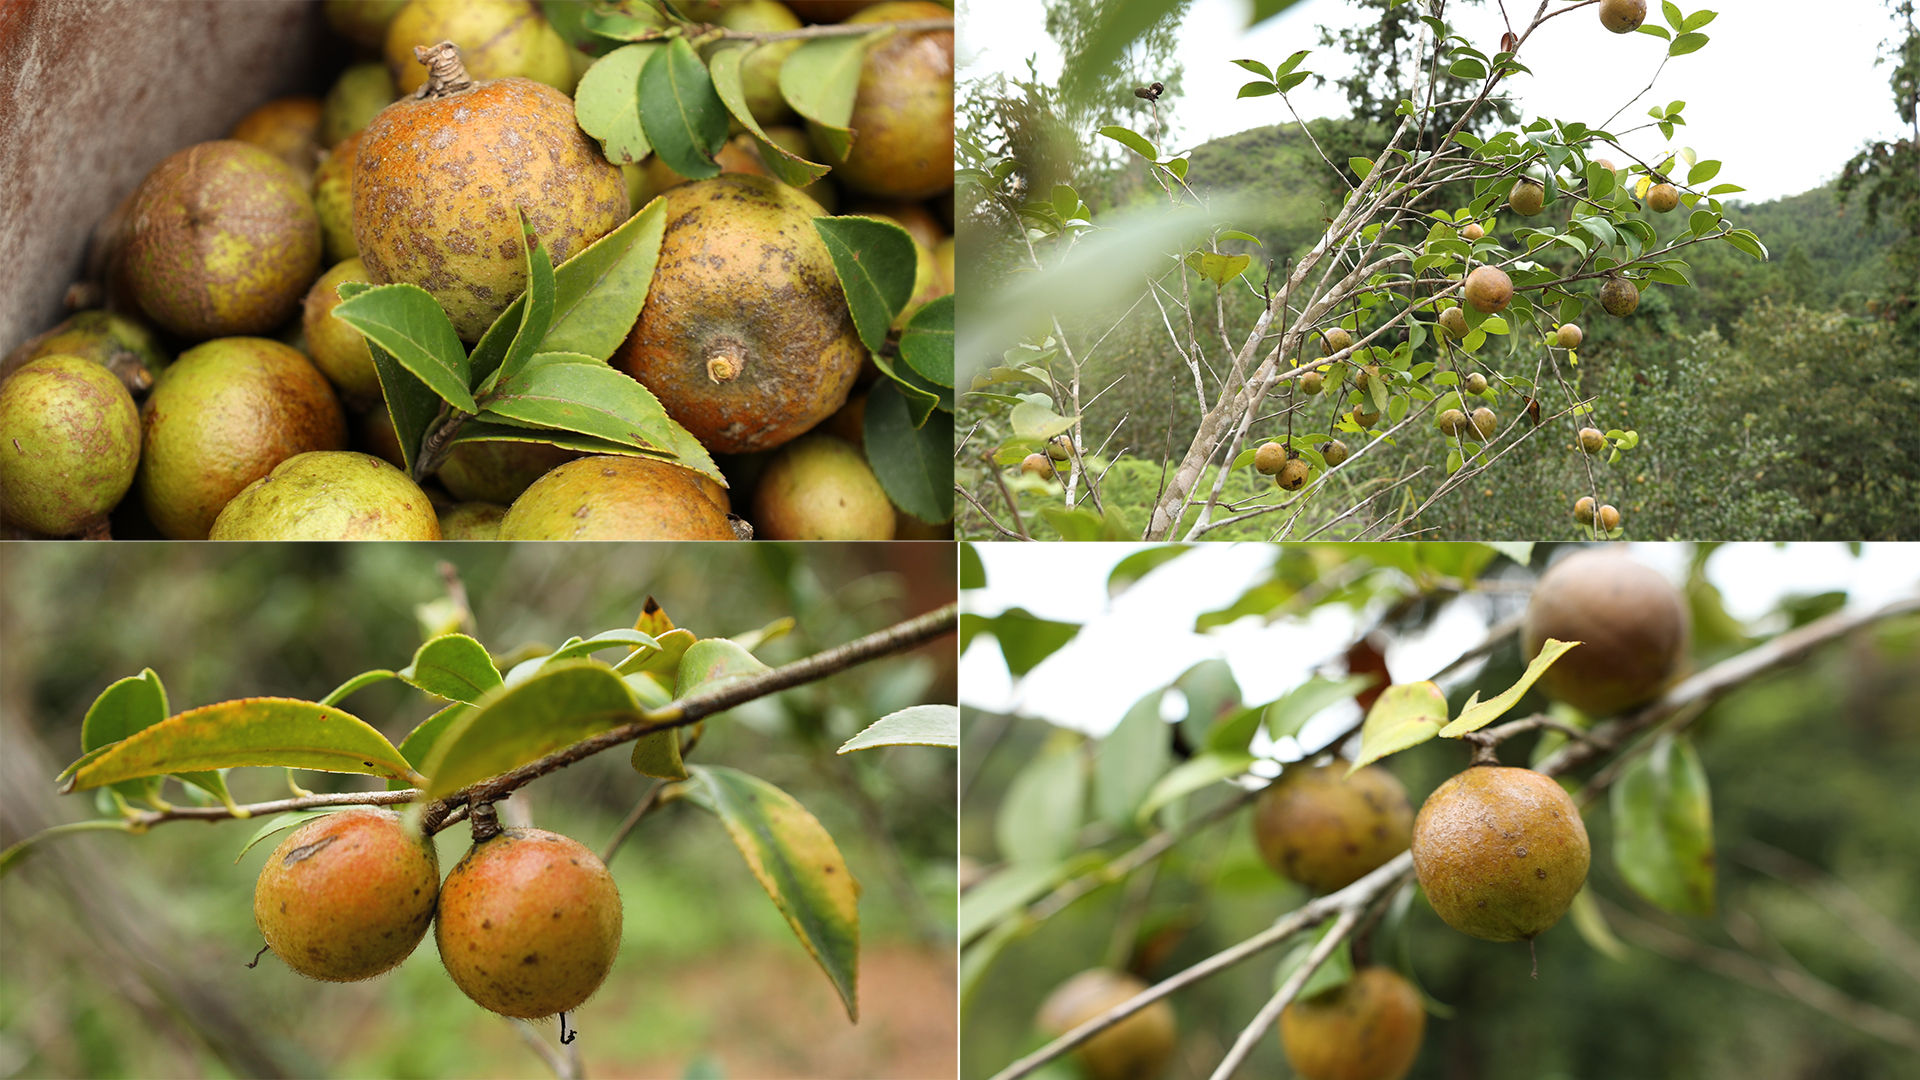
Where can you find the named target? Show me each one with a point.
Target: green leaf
(607, 103)
(419, 743)
(1663, 827)
(249, 731)
(1039, 819)
(13, 856)
(1195, 773)
(1749, 243)
(913, 464)
(357, 683)
(796, 862)
(820, 81)
(411, 404)
(1591, 923)
(1285, 717)
(786, 166)
(490, 431)
(922, 397)
(1687, 43)
(631, 640)
(532, 316)
(1360, 166)
(1132, 140)
(410, 325)
(578, 393)
(512, 725)
(1005, 891)
(918, 725)
(1130, 759)
(281, 823)
(452, 666)
(656, 754)
(1403, 716)
(124, 708)
(1334, 972)
(683, 117)
(1486, 712)
(875, 262)
(1218, 268)
(711, 662)
(927, 346)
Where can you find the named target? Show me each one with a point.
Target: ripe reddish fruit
(528, 923)
(1137, 1048)
(1368, 1028)
(1324, 829)
(1489, 289)
(347, 896)
(1501, 852)
(1632, 622)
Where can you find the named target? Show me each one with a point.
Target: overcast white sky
(1785, 93)
(1143, 640)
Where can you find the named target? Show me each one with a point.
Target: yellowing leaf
(1404, 716)
(1479, 714)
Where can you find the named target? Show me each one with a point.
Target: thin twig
(1269, 1013)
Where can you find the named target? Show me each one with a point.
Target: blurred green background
(1809, 969)
(124, 955)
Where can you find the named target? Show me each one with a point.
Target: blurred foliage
(1810, 770)
(701, 941)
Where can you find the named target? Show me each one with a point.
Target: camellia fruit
(1325, 829)
(1367, 1028)
(1662, 198)
(1583, 510)
(1569, 336)
(1294, 475)
(1489, 289)
(1632, 623)
(1619, 297)
(1334, 451)
(1592, 441)
(1623, 16)
(1269, 458)
(1139, 1047)
(347, 896)
(1526, 198)
(1500, 852)
(1454, 322)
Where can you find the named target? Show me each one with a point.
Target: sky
(1781, 97)
(1051, 582)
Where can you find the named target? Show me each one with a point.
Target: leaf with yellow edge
(1479, 714)
(249, 731)
(796, 862)
(1405, 715)
(512, 725)
(658, 754)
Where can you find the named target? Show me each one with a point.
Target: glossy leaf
(631, 640)
(249, 731)
(786, 166)
(927, 346)
(820, 81)
(554, 708)
(128, 705)
(532, 317)
(357, 683)
(1285, 717)
(875, 262)
(1480, 714)
(913, 464)
(1025, 639)
(606, 103)
(1403, 716)
(578, 393)
(410, 325)
(712, 661)
(1005, 891)
(1663, 827)
(1130, 759)
(452, 666)
(918, 725)
(418, 746)
(796, 862)
(500, 431)
(683, 117)
(278, 824)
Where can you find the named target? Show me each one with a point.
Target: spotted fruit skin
(221, 239)
(1368, 1028)
(616, 498)
(1501, 852)
(69, 444)
(329, 495)
(1137, 1048)
(903, 110)
(1326, 830)
(528, 923)
(436, 183)
(745, 337)
(347, 896)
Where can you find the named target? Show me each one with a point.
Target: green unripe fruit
(1569, 336)
(1476, 383)
(1482, 424)
(1619, 297)
(288, 128)
(1368, 1028)
(1632, 622)
(819, 487)
(1336, 340)
(472, 521)
(333, 199)
(1526, 198)
(357, 97)
(760, 69)
(1454, 322)
(1489, 290)
(1364, 416)
(329, 495)
(1137, 1048)
(528, 923)
(1334, 451)
(338, 350)
(1609, 518)
(498, 472)
(1039, 465)
(1583, 510)
(1326, 830)
(1662, 198)
(497, 39)
(221, 239)
(436, 181)
(122, 346)
(1060, 448)
(1294, 475)
(1269, 458)
(69, 444)
(903, 108)
(1312, 382)
(222, 416)
(347, 896)
(1452, 422)
(1500, 852)
(1623, 16)
(616, 498)
(1592, 441)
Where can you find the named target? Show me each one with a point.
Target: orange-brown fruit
(1592, 441)
(1501, 852)
(1526, 198)
(1325, 829)
(288, 128)
(1609, 517)
(903, 110)
(222, 416)
(1623, 16)
(528, 923)
(1367, 1028)
(436, 181)
(1039, 465)
(221, 238)
(1334, 451)
(347, 896)
(1569, 336)
(1489, 289)
(1474, 231)
(1662, 198)
(1454, 322)
(1632, 621)
(616, 498)
(1452, 422)
(745, 337)
(1619, 297)
(1137, 1048)
(819, 487)
(1269, 458)
(1476, 383)
(1294, 475)
(1583, 510)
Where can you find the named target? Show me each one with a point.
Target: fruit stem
(485, 821)
(446, 75)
